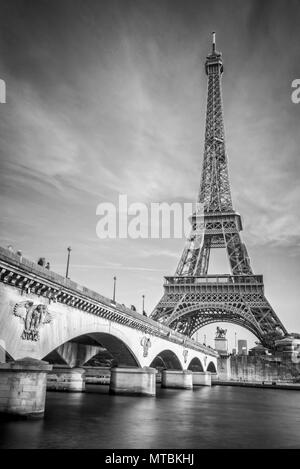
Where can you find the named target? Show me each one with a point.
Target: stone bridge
(44, 316)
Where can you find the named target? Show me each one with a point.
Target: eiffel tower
(192, 298)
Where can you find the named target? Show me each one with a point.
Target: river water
(217, 417)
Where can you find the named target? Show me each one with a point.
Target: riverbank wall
(258, 369)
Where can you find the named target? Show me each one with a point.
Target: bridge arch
(166, 359)
(195, 365)
(211, 367)
(81, 349)
(122, 342)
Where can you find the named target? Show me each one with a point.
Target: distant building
(258, 350)
(288, 347)
(242, 347)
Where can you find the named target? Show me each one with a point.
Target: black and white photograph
(149, 227)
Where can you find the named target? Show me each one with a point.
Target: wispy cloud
(115, 103)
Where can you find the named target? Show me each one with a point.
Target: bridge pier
(177, 379)
(223, 367)
(214, 378)
(63, 378)
(97, 375)
(2, 352)
(23, 387)
(133, 381)
(201, 378)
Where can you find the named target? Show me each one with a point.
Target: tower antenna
(213, 42)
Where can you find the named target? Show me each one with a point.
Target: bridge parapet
(29, 277)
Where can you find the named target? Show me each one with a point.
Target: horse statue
(221, 333)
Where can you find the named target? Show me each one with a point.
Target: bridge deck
(28, 276)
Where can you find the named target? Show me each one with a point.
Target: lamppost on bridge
(143, 308)
(234, 351)
(114, 291)
(68, 262)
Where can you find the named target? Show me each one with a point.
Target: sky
(108, 97)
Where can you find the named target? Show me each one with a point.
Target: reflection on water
(217, 417)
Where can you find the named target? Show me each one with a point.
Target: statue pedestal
(221, 345)
(23, 387)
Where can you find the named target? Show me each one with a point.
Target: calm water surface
(217, 417)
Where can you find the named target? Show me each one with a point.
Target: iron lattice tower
(192, 298)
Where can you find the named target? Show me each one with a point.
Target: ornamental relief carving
(146, 344)
(33, 317)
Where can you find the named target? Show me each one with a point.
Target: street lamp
(114, 292)
(68, 262)
(143, 296)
